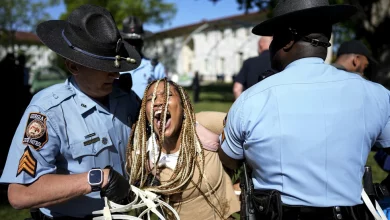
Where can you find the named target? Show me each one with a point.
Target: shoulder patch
(27, 163)
(35, 133)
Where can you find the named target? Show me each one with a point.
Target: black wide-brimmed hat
(90, 37)
(303, 12)
(134, 29)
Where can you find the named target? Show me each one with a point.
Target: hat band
(313, 42)
(116, 58)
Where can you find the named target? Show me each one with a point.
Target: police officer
(306, 132)
(253, 67)
(354, 56)
(149, 70)
(69, 148)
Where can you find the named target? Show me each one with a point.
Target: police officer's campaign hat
(134, 29)
(90, 37)
(304, 12)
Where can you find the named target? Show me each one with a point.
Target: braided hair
(191, 153)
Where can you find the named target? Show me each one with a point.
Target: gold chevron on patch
(27, 163)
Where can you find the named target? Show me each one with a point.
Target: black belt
(36, 214)
(357, 212)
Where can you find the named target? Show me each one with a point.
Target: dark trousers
(196, 94)
(358, 212)
(36, 214)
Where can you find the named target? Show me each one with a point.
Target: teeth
(157, 112)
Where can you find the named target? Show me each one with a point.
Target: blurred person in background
(354, 56)
(9, 68)
(133, 33)
(24, 71)
(253, 68)
(196, 86)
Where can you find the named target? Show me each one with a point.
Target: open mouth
(158, 118)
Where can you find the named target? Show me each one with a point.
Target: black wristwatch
(95, 179)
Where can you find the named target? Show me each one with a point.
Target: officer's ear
(288, 46)
(72, 67)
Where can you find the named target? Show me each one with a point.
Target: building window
(222, 65)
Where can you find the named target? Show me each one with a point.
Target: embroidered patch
(27, 163)
(35, 134)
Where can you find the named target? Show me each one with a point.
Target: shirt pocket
(91, 146)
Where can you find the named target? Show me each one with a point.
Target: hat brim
(50, 33)
(144, 35)
(324, 14)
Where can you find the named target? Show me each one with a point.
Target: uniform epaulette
(52, 96)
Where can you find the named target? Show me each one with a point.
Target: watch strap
(95, 188)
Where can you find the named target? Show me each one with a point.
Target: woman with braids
(165, 147)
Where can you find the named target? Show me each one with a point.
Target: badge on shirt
(35, 134)
(27, 163)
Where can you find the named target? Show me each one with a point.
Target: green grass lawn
(214, 97)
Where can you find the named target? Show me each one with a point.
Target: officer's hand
(117, 188)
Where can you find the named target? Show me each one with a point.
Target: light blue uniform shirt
(63, 131)
(144, 74)
(307, 132)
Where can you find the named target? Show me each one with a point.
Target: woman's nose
(158, 102)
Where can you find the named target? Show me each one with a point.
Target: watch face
(95, 177)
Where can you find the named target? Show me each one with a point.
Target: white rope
(143, 199)
(374, 210)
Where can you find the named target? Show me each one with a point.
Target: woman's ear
(72, 67)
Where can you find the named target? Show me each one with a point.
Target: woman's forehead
(160, 89)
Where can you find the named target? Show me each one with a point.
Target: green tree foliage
(17, 15)
(149, 11)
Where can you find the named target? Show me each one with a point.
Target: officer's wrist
(106, 178)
